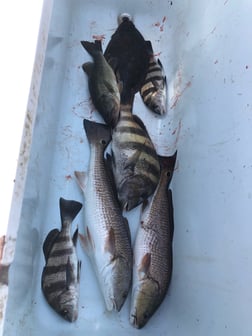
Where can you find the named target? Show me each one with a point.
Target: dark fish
(128, 55)
(154, 88)
(134, 160)
(102, 84)
(61, 274)
(152, 266)
(107, 238)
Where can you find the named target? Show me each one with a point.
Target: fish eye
(103, 142)
(64, 312)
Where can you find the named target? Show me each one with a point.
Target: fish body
(128, 55)
(102, 83)
(107, 238)
(61, 274)
(152, 266)
(154, 88)
(134, 160)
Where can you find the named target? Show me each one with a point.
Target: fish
(154, 87)
(106, 239)
(128, 55)
(61, 274)
(102, 83)
(133, 159)
(152, 268)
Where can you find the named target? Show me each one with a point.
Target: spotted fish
(106, 238)
(61, 274)
(134, 160)
(154, 88)
(152, 266)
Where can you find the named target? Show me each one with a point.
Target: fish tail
(93, 48)
(167, 163)
(69, 209)
(96, 132)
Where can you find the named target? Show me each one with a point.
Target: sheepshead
(134, 160)
(61, 274)
(107, 238)
(102, 83)
(154, 88)
(128, 55)
(152, 266)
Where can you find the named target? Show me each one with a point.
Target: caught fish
(154, 88)
(134, 160)
(152, 266)
(107, 238)
(102, 83)
(128, 55)
(61, 274)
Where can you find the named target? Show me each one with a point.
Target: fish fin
(75, 237)
(110, 242)
(69, 273)
(145, 264)
(97, 133)
(98, 43)
(92, 48)
(78, 270)
(145, 204)
(81, 179)
(149, 47)
(87, 242)
(120, 86)
(88, 68)
(171, 212)
(49, 241)
(131, 163)
(69, 209)
(160, 64)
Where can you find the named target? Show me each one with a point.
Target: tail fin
(167, 163)
(69, 209)
(97, 133)
(93, 48)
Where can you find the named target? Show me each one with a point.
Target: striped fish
(61, 274)
(134, 160)
(154, 87)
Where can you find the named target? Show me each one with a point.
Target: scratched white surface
(206, 52)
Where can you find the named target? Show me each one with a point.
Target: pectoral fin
(69, 274)
(145, 265)
(110, 242)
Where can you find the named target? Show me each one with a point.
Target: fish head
(134, 191)
(158, 102)
(116, 289)
(67, 305)
(145, 301)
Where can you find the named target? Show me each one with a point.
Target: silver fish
(154, 88)
(152, 266)
(61, 274)
(134, 160)
(107, 238)
(102, 83)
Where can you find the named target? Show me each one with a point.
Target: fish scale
(152, 266)
(134, 160)
(107, 238)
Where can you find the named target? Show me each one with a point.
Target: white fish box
(205, 48)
